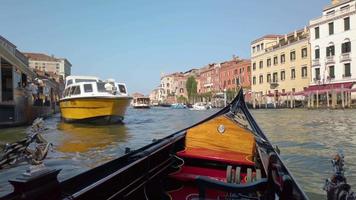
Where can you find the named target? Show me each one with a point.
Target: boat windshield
(122, 89)
(101, 87)
(84, 80)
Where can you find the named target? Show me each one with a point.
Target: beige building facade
(281, 64)
(46, 63)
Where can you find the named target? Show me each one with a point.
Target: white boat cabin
(87, 86)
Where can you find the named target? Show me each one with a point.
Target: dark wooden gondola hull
(141, 172)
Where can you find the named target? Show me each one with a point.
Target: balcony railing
(316, 62)
(345, 57)
(274, 84)
(330, 60)
(346, 75)
(331, 15)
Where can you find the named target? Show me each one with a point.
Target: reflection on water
(80, 138)
(307, 140)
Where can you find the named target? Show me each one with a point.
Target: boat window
(72, 90)
(88, 88)
(84, 80)
(101, 87)
(66, 92)
(76, 90)
(122, 89)
(70, 82)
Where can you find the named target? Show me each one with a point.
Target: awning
(329, 87)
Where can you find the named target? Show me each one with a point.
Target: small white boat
(200, 106)
(178, 106)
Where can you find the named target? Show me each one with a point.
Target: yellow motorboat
(89, 99)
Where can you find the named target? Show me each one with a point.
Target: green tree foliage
(182, 99)
(191, 86)
(230, 94)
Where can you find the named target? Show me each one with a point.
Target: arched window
(346, 46)
(330, 50)
(317, 52)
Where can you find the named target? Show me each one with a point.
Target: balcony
(346, 76)
(330, 60)
(274, 84)
(316, 62)
(345, 57)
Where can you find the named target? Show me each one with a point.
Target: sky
(134, 41)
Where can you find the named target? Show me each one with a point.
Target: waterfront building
(15, 77)
(50, 64)
(333, 45)
(234, 74)
(280, 65)
(173, 86)
(209, 79)
(156, 96)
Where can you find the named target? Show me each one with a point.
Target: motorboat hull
(94, 109)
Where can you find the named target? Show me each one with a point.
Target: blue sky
(134, 41)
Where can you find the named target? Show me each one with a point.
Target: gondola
(226, 156)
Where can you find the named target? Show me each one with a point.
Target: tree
(191, 86)
(182, 99)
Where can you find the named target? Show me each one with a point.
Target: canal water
(307, 140)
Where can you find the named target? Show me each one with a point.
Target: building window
(262, 46)
(269, 62)
(330, 51)
(347, 70)
(304, 52)
(254, 66)
(248, 68)
(253, 49)
(261, 79)
(346, 47)
(347, 23)
(317, 33)
(268, 78)
(283, 58)
(317, 73)
(331, 28)
(304, 72)
(275, 77)
(292, 55)
(292, 74)
(261, 64)
(283, 75)
(317, 53)
(331, 72)
(275, 60)
(254, 80)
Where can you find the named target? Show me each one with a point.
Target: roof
(270, 36)
(82, 77)
(40, 57)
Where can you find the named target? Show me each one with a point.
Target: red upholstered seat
(189, 173)
(231, 158)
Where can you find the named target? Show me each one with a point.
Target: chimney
(334, 2)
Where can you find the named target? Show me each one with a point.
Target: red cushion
(189, 173)
(232, 158)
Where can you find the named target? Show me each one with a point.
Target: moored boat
(88, 99)
(141, 102)
(178, 106)
(200, 106)
(226, 156)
